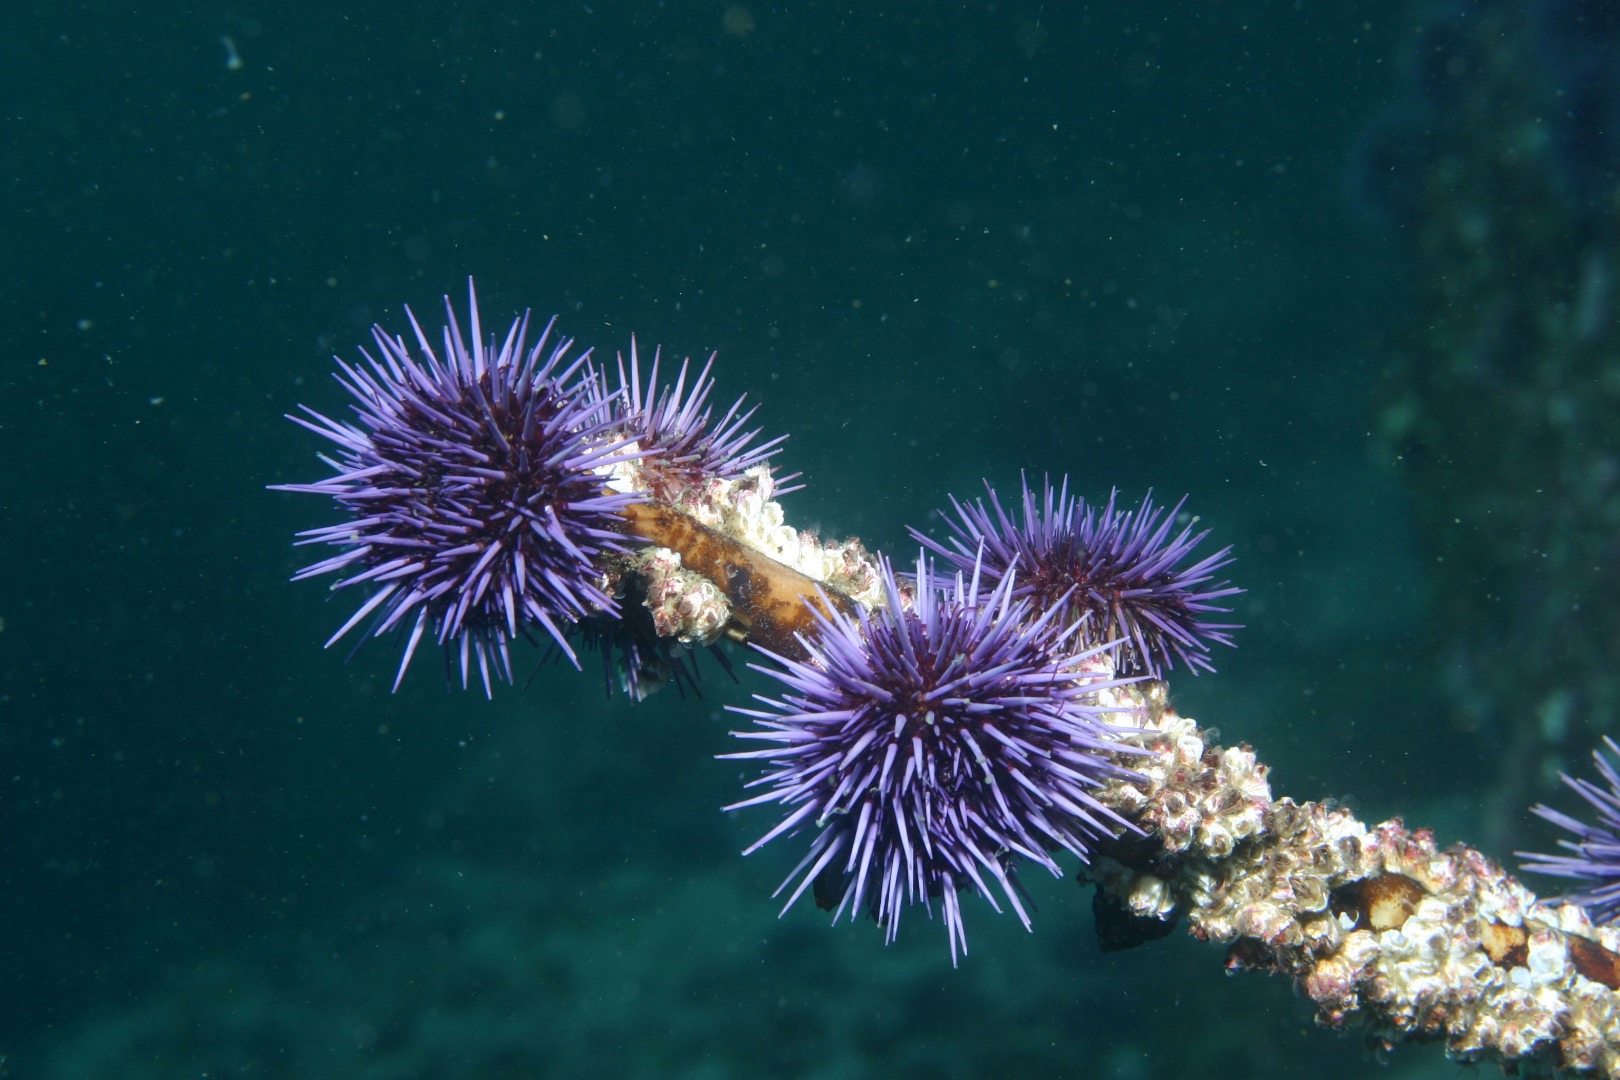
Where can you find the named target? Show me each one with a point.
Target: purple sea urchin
(932, 745)
(474, 491)
(680, 447)
(1124, 567)
(1595, 858)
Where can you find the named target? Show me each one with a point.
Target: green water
(936, 243)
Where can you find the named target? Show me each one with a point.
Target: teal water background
(936, 242)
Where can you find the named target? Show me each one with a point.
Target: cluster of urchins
(928, 744)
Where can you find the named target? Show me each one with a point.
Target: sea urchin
(933, 743)
(473, 486)
(1124, 567)
(1595, 857)
(681, 446)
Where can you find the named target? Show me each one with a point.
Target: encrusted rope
(1388, 935)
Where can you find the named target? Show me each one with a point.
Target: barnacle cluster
(1387, 933)
(745, 571)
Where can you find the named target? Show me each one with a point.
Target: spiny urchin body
(681, 446)
(1123, 567)
(930, 746)
(473, 483)
(1595, 858)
